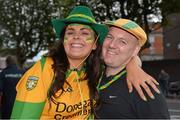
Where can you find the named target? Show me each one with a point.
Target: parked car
(174, 87)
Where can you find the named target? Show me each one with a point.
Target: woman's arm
(31, 94)
(138, 78)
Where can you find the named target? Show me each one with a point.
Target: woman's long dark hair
(61, 65)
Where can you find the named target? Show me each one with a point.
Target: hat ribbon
(83, 16)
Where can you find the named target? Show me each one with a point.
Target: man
(124, 40)
(8, 80)
(164, 80)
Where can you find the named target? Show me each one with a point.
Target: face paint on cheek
(89, 39)
(65, 39)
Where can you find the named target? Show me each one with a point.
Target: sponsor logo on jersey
(72, 110)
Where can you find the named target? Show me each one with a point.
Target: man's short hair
(11, 60)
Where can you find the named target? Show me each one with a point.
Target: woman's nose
(76, 36)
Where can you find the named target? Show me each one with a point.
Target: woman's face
(78, 41)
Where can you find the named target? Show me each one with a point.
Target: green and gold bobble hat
(81, 15)
(130, 27)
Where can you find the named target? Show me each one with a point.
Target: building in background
(155, 51)
(165, 42)
(164, 52)
(171, 37)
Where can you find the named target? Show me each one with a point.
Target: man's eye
(123, 42)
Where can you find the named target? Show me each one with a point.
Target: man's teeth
(111, 53)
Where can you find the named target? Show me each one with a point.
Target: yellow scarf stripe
(82, 15)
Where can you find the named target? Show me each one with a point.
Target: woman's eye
(85, 33)
(69, 33)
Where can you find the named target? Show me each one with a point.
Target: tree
(137, 10)
(168, 7)
(26, 25)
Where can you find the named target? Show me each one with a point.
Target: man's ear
(136, 51)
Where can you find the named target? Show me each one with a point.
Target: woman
(63, 84)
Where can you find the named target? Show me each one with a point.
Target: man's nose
(112, 44)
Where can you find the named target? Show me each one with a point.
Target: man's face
(119, 47)
(78, 41)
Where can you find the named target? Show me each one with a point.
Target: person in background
(124, 40)
(9, 77)
(62, 85)
(163, 80)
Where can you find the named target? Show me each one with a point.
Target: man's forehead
(117, 29)
(120, 32)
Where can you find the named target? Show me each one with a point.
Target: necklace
(115, 78)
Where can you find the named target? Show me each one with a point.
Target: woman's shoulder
(46, 61)
(49, 60)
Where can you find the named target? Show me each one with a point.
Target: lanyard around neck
(115, 78)
(69, 71)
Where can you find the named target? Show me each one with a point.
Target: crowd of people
(89, 74)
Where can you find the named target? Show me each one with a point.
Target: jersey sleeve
(32, 92)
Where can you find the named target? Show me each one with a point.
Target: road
(174, 107)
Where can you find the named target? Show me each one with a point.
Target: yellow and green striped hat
(82, 15)
(130, 27)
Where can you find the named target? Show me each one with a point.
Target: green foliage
(64, 7)
(168, 7)
(26, 25)
(137, 10)
(142, 11)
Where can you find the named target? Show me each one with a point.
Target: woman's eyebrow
(69, 28)
(85, 28)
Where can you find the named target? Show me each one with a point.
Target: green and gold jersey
(31, 99)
